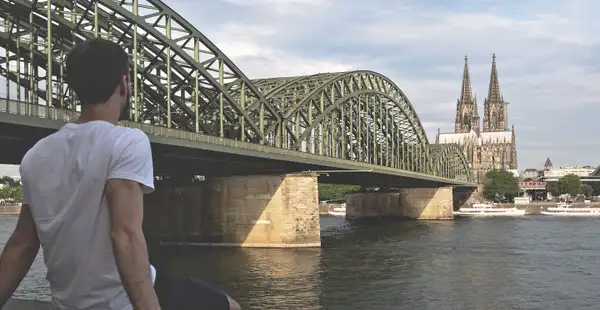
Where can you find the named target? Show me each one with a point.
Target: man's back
(64, 176)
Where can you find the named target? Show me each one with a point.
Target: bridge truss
(183, 81)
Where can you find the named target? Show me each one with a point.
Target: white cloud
(246, 46)
(283, 6)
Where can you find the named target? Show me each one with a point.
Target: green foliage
(596, 187)
(587, 190)
(8, 181)
(570, 184)
(500, 184)
(552, 188)
(14, 193)
(335, 191)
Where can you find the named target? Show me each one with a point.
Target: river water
(533, 262)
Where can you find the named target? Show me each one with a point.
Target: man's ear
(124, 85)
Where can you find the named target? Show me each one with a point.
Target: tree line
(10, 189)
(571, 184)
(502, 185)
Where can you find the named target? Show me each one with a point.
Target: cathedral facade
(494, 145)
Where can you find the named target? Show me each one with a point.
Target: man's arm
(125, 202)
(130, 172)
(18, 255)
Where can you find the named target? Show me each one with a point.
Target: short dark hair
(95, 68)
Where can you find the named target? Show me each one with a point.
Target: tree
(335, 191)
(500, 184)
(552, 187)
(570, 184)
(10, 182)
(11, 193)
(587, 190)
(596, 187)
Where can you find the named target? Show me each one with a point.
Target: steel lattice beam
(359, 115)
(449, 161)
(183, 80)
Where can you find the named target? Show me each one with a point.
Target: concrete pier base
(412, 203)
(248, 211)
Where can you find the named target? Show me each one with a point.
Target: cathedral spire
(466, 92)
(494, 89)
(466, 107)
(494, 106)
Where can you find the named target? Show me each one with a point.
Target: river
(533, 262)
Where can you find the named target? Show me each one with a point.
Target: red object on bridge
(533, 185)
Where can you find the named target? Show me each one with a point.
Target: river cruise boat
(482, 209)
(338, 211)
(567, 209)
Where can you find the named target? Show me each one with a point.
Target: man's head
(98, 73)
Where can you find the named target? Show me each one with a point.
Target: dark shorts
(184, 293)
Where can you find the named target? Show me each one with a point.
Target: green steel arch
(183, 80)
(357, 115)
(449, 161)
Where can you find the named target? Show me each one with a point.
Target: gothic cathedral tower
(495, 110)
(467, 118)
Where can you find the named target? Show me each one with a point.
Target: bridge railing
(63, 115)
(56, 114)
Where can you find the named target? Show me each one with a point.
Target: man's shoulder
(131, 141)
(129, 135)
(39, 146)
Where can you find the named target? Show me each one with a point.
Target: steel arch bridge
(449, 160)
(183, 81)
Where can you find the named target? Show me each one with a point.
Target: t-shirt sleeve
(132, 160)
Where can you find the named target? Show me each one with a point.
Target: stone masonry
(249, 211)
(412, 203)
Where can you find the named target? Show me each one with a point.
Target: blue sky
(548, 55)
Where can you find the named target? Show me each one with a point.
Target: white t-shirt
(63, 178)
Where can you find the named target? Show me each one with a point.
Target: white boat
(567, 209)
(482, 209)
(338, 211)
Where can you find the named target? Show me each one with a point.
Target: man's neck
(96, 113)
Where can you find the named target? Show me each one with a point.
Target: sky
(548, 56)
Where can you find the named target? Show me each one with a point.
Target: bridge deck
(178, 151)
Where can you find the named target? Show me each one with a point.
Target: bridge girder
(449, 161)
(183, 81)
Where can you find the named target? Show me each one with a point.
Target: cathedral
(492, 146)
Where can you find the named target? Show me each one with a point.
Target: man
(83, 192)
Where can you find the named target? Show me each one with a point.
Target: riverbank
(326, 207)
(10, 209)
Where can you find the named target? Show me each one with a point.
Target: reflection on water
(532, 262)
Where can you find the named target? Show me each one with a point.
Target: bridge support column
(249, 211)
(412, 203)
(464, 196)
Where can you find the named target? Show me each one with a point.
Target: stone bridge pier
(411, 203)
(248, 211)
